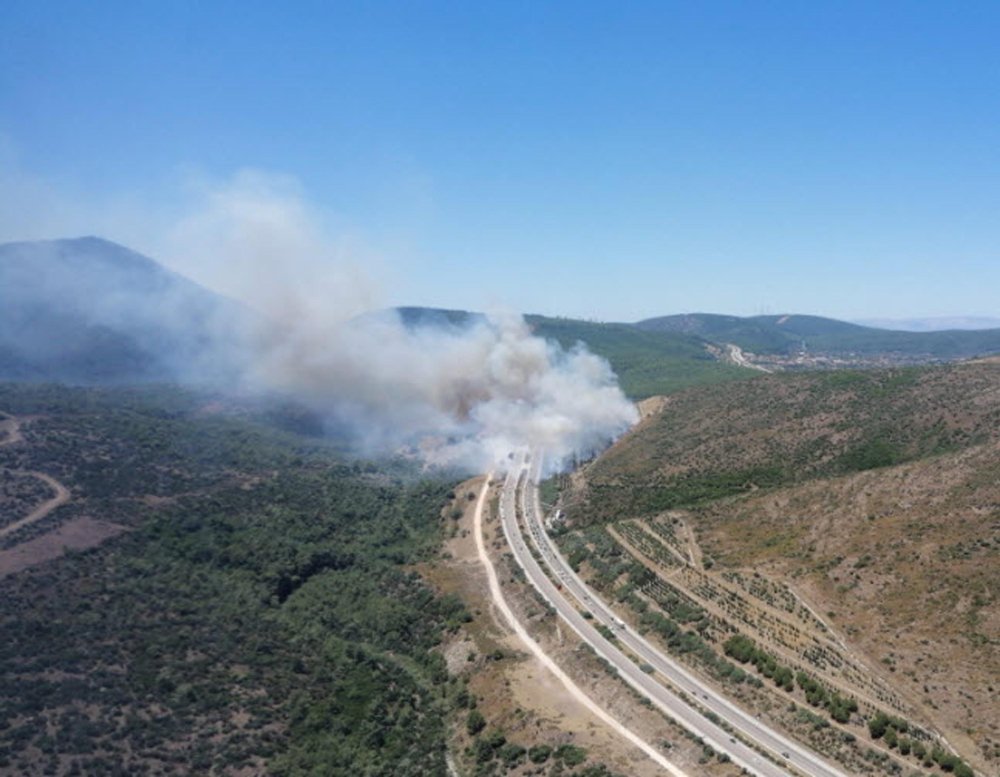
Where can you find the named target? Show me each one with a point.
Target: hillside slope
(88, 310)
(904, 561)
(252, 610)
(781, 429)
(647, 363)
(874, 495)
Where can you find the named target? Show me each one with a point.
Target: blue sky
(601, 160)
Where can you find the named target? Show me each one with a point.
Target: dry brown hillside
(785, 429)
(875, 496)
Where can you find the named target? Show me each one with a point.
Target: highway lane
(781, 747)
(711, 733)
(501, 603)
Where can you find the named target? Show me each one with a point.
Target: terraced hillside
(847, 524)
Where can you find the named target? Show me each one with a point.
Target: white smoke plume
(464, 394)
(461, 394)
(467, 395)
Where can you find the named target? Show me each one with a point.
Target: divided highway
(520, 495)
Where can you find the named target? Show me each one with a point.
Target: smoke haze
(461, 394)
(465, 395)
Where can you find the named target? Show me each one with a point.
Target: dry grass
(905, 561)
(875, 496)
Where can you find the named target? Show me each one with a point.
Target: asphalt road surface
(520, 496)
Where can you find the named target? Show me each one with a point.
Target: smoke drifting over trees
(462, 393)
(466, 395)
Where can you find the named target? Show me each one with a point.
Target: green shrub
(475, 722)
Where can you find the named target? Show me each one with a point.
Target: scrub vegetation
(778, 430)
(839, 531)
(258, 614)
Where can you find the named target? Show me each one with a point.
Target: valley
(804, 561)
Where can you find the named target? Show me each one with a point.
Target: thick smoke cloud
(464, 394)
(460, 394)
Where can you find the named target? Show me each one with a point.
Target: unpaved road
(46, 507)
(11, 427)
(545, 659)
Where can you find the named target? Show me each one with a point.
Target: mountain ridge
(800, 333)
(91, 311)
(88, 310)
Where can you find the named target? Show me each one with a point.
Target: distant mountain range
(933, 324)
(791, 334)
(90, 311)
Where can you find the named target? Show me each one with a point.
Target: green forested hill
(258, 611)
(779, 430)
(646, 363)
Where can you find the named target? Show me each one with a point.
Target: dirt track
(11, 428)
(46, 507)
(578, 694)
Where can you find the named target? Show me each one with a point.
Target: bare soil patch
(75, 535)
